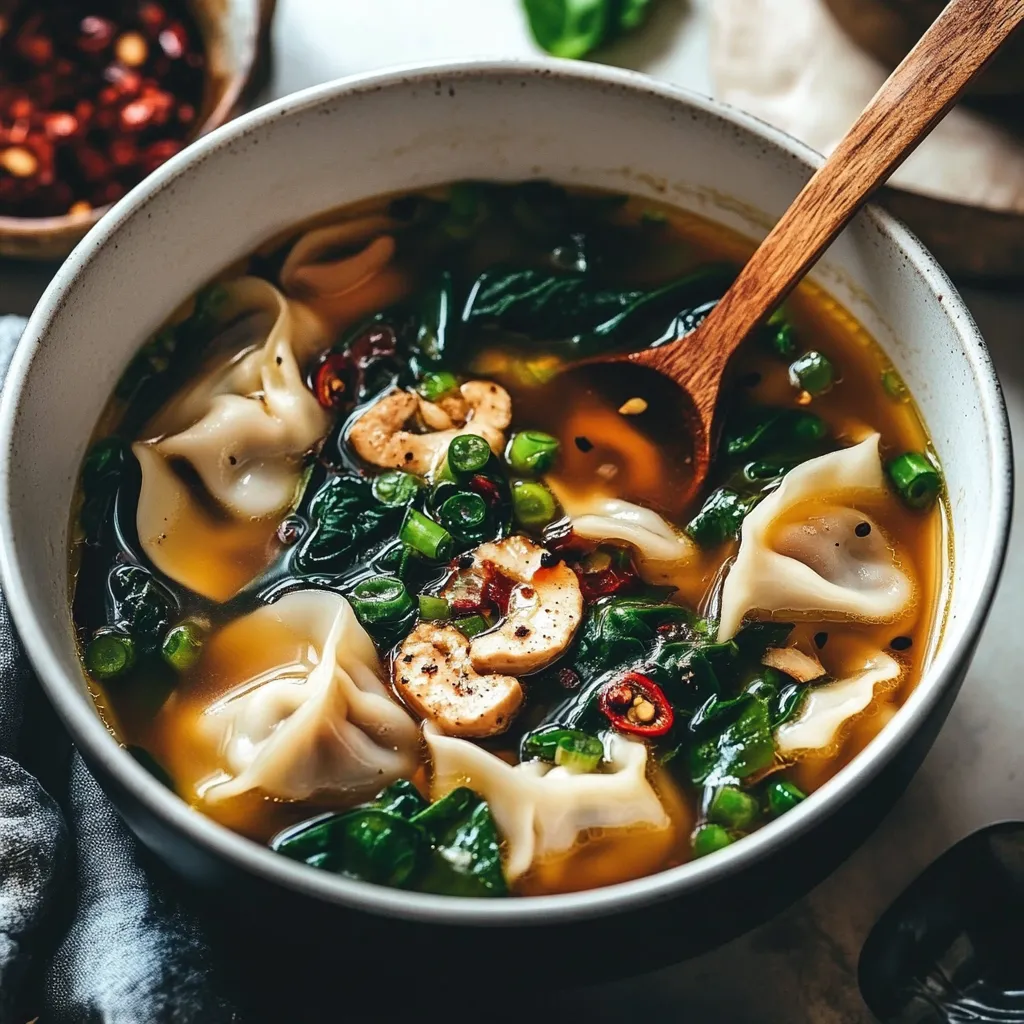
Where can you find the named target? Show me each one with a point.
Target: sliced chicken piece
(434, 674)
(804, 668)
(545, 608)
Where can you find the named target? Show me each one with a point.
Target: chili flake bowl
(235, 37)
(581, 125)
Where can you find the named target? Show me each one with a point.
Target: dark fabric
(89, 930)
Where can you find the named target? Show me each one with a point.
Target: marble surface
(801, 967)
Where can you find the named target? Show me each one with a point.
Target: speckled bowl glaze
(236, 34)
(578, 124)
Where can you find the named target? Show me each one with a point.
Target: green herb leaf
(466, 857)
(102, 473)
(141, 605)
(737, 742)
(568, 28)
(345, 518)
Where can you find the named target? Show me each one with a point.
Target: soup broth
(362, 574)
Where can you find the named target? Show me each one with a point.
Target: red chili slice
(618, 703)
(333, 383)
(487, 489)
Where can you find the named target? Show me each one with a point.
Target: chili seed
(131, 49)
(19, 161)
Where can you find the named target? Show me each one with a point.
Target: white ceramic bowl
(574, 123)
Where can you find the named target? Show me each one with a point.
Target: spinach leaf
(542, 305)
(101, 477)
(466, 857)
(401, 798)
(574, 29)
(450, 847)
(546, 306)
(368, 844)
(140, 604)
(734, 741)
(345, 518)
(619, 631)
(759, 447)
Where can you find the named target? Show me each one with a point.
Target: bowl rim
(100, 747)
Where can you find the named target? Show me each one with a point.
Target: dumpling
(301, 730)
(543, 810)
(806, 548)
(662, 553)
(346, 271)
(828, 708)
(243, 428)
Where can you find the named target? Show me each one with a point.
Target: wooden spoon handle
(917, 94)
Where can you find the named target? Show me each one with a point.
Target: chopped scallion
(463, 513)
(425, 537)
(894, 386)
(110, 654)
(813, 373)
(182, 646)
(531, 452)
(915, 479)
(468, 453)
(579, 752)
(710, 838)
(732, 808)
(434, 609)
(471, 625)
(380, 599)
(437, 385)
(395, 487)
(533, 504)
(783, 796)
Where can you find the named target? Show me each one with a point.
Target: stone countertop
(801, 967)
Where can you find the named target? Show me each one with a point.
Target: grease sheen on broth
(362, 277)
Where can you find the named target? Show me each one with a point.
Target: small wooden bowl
(887, 29)
(236, 35)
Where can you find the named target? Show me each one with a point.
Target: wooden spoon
(915, 97)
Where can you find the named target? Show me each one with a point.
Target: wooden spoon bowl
(236, 36)
(911, 102)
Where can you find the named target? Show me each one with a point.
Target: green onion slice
(732, 808)
(915, 479)
(434, 609)
(531, 452)
(468, 453)
(710, 838)
(783, 796)
(813, 373)
(463, 512)
(381, 599)
(110, 654)
(182, 646)
(471, 625)
(533, 505)
(425, 537)
(437, 385)
(396, 487)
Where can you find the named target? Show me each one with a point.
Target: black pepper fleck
(466, 561)
(820, 639)
(549, 559)
(901, 643)
(429, 669)
(522, 631)
(583, 444)
(863, 529)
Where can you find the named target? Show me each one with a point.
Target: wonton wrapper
(244, 425)
(789, 63)
(799, 551)
(662, 552)
(346, 271)
(542, 810)
(828, 708)
(301, 729)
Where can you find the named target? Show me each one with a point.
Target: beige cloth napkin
(789, 63)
